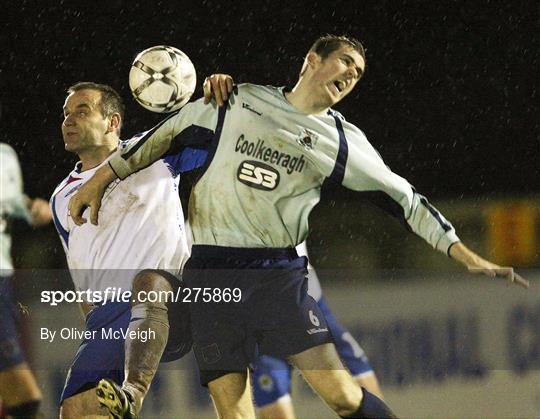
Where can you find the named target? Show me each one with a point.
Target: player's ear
(115, 120)
(312, 59)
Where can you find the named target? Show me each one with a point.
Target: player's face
(84, 126)
(335, 76)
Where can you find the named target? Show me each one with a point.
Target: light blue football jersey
(267, 162)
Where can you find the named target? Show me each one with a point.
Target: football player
(18, 388)
(139, 248)
(270, 153)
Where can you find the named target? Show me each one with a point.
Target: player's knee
(151, 286)
(154, 311)
(24, 410)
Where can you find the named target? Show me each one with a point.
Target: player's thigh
(18, 385)
(83, 405)
(151, 280)
(324, 371)
(231, 394)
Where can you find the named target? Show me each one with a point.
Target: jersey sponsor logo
(258, 175)
(261, 151)
(250, 108)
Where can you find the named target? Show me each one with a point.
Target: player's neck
(302, 98)
(95, 156)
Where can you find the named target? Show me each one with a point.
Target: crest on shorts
(307, 139)
(266, 382)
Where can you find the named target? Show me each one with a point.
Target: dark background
(449, 98)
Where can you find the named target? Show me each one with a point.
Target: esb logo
(258, 175)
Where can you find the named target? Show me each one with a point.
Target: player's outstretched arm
(478, 265)
(219, 87)
(39, 211)
(90, 195)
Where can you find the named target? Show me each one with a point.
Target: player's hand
(507, 272)
(219, 87)
(39, 211)
(90, 195)
(477, 265)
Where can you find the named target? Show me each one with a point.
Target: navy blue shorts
(103, 357)
(271, 377)
(275, 316)
(11, 353)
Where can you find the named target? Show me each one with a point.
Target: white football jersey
(12, 203)
(267, 162)
(141, 226)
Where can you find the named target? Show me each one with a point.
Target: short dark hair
(327, 44)
(110, 102)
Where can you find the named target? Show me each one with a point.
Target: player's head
(333, 66)
(93, 115)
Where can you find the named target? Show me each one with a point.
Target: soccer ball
(162, 79)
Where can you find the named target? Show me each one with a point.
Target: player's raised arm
(478, 265)
(366, 172)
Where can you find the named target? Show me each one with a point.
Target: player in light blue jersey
(271, 151)
(271, 377)
(19, 391)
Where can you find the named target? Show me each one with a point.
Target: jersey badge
(307, 139)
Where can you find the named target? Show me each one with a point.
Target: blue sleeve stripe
(385, 202)
(188, 150)
(338, 173)
(63, 233)
(222, 110)
(436, 214)
(188, 159)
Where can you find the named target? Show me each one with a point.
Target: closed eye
(349, 62)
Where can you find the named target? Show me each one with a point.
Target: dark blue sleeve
(188, 159)
(190, 151)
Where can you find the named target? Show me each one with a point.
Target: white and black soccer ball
(162, 78)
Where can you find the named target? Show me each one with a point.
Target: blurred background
(449, 99)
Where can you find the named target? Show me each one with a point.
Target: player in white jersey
(142, 230)
(18, 388)
(271, 152)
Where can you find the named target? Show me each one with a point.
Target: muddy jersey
(266, 165)
(141, 225)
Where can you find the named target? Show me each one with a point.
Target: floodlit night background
(449, 99)
(450, 96)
